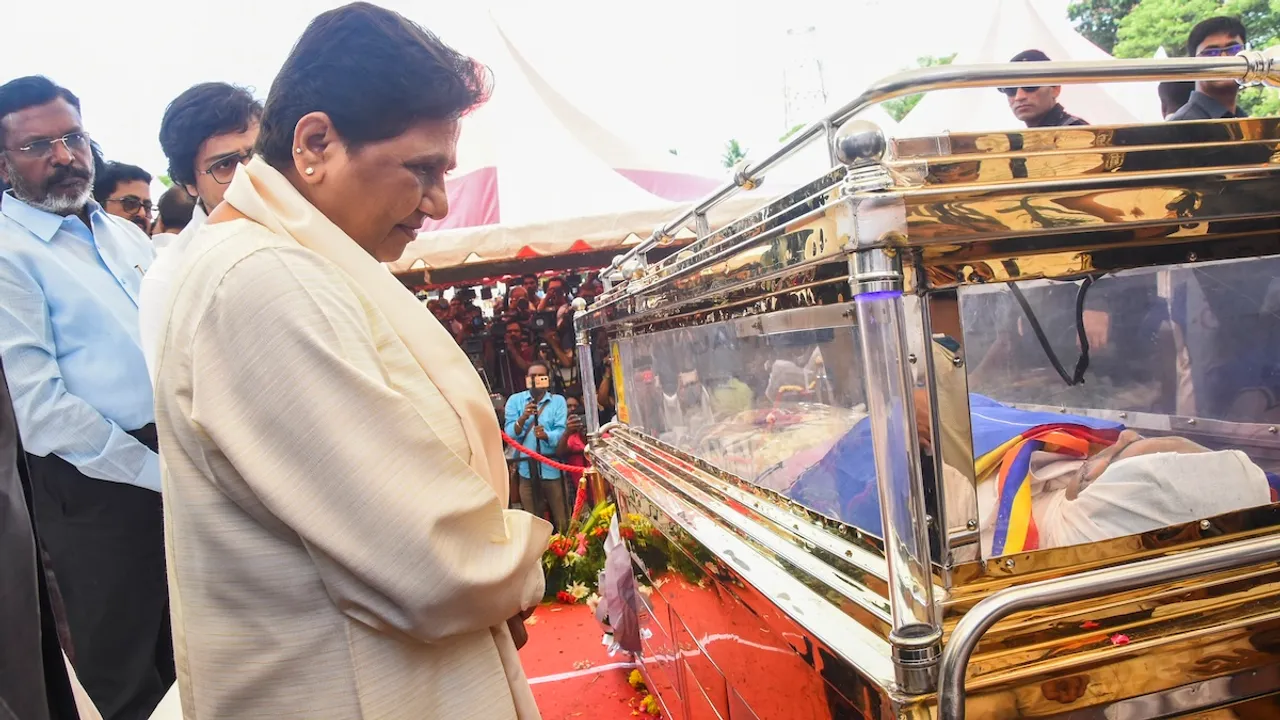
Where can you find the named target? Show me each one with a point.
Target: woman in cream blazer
(334, 482)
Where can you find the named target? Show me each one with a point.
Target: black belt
(147, 436)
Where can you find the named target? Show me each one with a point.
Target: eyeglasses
(132, 204)
(223, 169)
(1011, 91)
(76, 142)
(1228, 51)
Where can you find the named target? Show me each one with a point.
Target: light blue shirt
(553, 414)
(69, 339)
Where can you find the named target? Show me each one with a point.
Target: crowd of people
(527, 352)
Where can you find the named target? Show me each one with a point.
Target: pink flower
(1119, 639)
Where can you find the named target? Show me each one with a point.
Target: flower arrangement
(573, 560)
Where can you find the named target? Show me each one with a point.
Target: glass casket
(973, 425)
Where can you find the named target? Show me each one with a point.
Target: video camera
(544, 321)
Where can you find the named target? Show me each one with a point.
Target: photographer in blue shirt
(536, 419)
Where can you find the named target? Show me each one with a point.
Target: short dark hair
(1176, 92)
(113, 173)
(1224, 24)
(199, 113)
(1030, 56)
(374, 73)
(175, 208)
(99, 160)
(30, 91)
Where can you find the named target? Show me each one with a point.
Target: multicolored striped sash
(1015, 526)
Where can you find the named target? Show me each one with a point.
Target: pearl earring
(310, 171)
(298, 150)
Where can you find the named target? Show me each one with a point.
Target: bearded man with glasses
(70, 276)
(1214, 99)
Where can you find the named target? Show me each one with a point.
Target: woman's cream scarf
(269, 199)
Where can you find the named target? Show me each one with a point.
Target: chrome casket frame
(854, 625)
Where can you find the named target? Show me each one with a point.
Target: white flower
(578, 590)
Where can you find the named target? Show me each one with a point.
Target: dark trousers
(106, 542)
(545, 495)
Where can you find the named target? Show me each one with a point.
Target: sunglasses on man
(1229, 51)
(1011, 91)
(132, 204)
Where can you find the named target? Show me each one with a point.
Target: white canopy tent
(1014, 26)
(538, 178)
(529, 156)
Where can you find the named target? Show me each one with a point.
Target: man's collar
(1056, 115)
(1212, 107)
(41, 223)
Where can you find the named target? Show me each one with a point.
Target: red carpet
(572, 675)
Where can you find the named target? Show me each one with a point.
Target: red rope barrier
(580, 498)
(540, 458)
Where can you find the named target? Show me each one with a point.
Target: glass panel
(776, 400)
(1127, 403)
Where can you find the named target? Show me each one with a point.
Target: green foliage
(1258, 101)
(1161, 23)
(899, 107)
(789, 133)
(165, 180)
(734, 153)
(1261, 18)
(1167, 23)
(1099, 20)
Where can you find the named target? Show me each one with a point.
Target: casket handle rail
(977, 621)
(1251, 66)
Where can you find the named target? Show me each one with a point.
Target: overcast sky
(683, 74)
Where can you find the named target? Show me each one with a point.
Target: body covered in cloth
(1026, 495)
